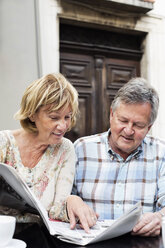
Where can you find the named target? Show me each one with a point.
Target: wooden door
(97, 74)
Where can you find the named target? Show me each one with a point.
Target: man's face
(129, 125)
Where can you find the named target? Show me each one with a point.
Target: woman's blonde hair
(53, 89)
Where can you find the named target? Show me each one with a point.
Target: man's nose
(129, 129)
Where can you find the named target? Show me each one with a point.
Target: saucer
(15, 243)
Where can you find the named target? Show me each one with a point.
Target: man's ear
(149, 127)
(111, 112)
(110, 116)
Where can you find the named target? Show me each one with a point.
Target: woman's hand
(78, 210)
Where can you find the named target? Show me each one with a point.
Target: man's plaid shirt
(111, 185)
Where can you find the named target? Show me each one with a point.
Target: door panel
(118, 72)
(78, 69)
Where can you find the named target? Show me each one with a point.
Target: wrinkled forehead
(137, 111)
(121, 104)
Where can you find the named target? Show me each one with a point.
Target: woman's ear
(32, 118)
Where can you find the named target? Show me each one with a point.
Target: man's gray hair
(137, 90)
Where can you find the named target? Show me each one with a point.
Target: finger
(152, 232)
(92, 220)
(144, 230)
(155, 233)
(86, 219)
(149, 228)
(91, 217)
(138, 226)
(149, 221)
(84, 224)
(97, 215)
(144, 225)
(72, 219)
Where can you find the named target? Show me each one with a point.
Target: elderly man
(120, 167)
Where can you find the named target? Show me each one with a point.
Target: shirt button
(117, 205)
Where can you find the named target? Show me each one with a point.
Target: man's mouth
(127, 138)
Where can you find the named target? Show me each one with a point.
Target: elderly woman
(39, 152)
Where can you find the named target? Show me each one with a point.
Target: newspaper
(103, 230)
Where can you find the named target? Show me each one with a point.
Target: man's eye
(123, 121)
(140, 127)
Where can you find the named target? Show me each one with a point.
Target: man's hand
(149, 225)
(77, 209)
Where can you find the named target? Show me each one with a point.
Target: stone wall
(30, 45)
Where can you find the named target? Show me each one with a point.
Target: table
(34, 238)
(126, 241)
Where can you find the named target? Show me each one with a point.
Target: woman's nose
(62, 124)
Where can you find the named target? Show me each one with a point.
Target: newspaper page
(78, 235)
(103, 230)
(17, 183)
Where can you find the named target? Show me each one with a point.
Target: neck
(30, 140)
(117, 150)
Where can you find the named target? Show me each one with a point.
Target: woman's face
(52, 125)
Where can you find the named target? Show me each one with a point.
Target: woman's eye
(54, 118)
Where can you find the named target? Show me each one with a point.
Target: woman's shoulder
(66, 143)
(64, 146)
(5, 135)
(5, 140)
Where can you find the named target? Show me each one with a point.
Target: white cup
(163, 230)
(7, 228)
